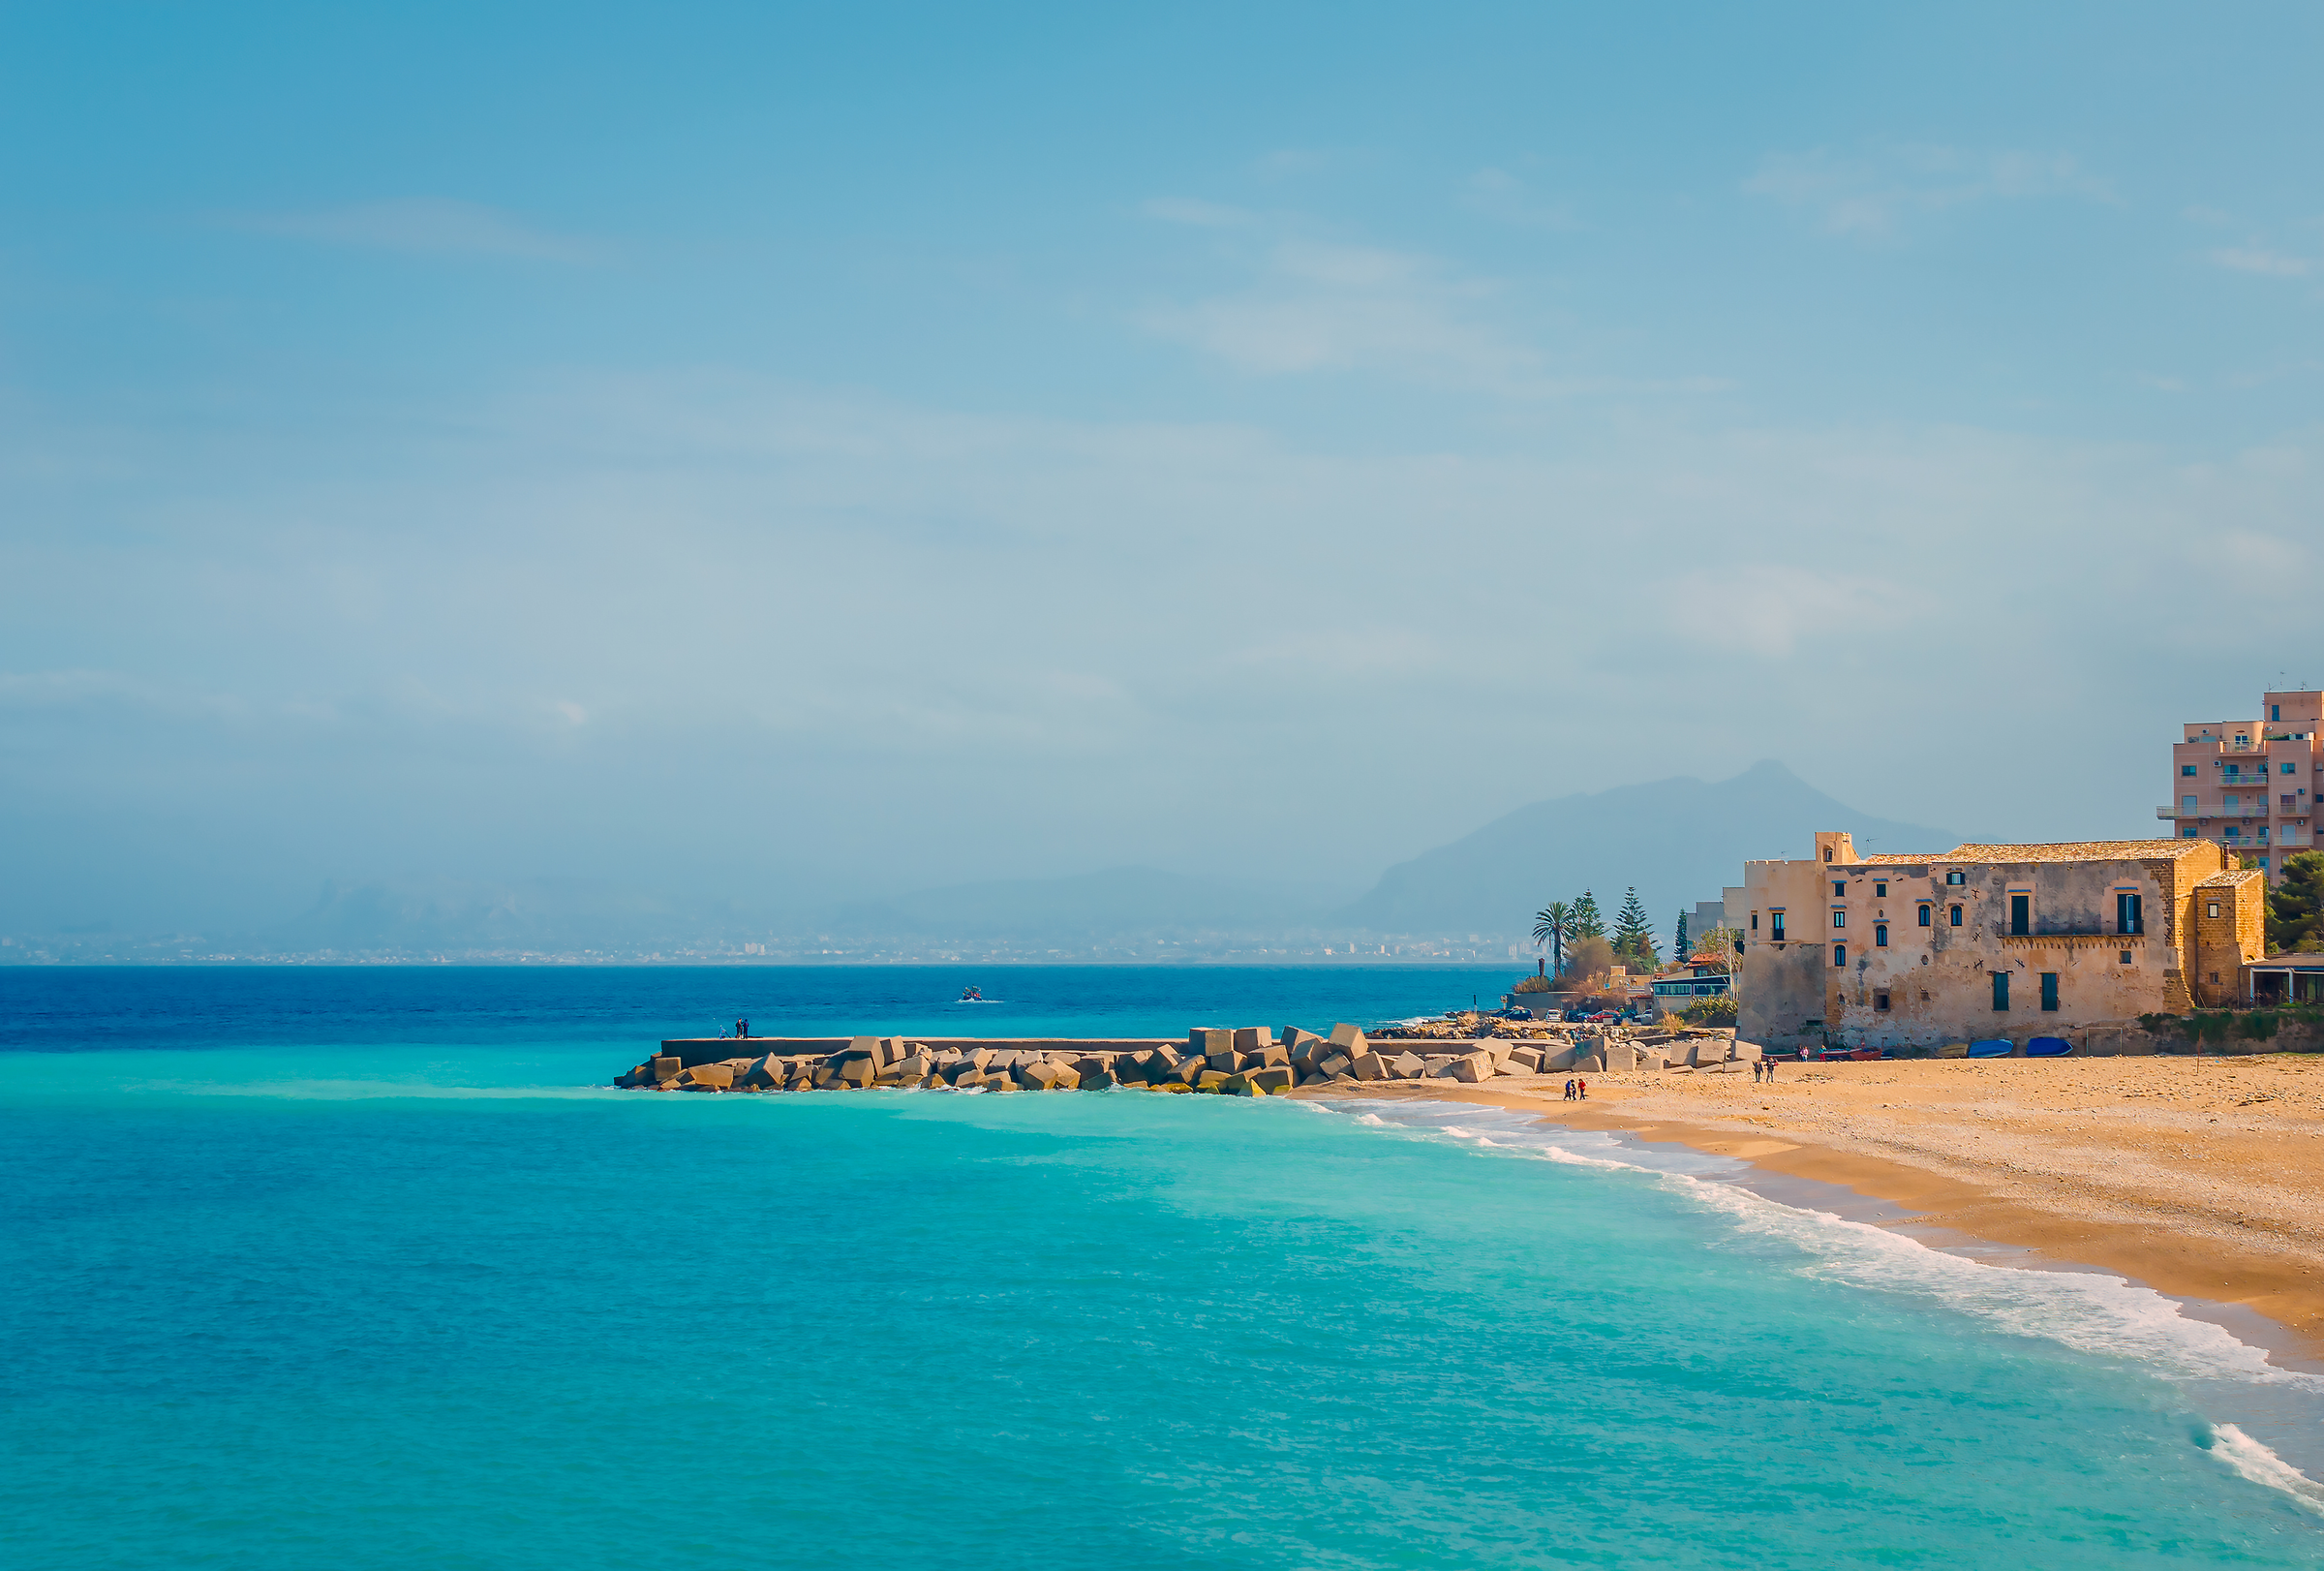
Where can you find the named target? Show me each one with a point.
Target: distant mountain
(1679, 841)
(1119, 903)
(433, 913)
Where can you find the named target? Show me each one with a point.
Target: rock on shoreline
(1251, 1061)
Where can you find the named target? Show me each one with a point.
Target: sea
(359, 1268)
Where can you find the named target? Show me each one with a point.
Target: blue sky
(869, 447)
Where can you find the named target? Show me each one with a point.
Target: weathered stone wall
(1907, 986)
(2226, 941)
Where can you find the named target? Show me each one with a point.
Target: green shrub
(1532, 984)
(1716, 1011)
(2257, 1026)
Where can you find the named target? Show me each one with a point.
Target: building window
(1839, 916)
(2187, 806)
(1880, 888)
(1839, 954)
(1956, 917)
(2001, 990)
(1879, 1002)
(1924, 914)
(1880, 934)
(2211, 907)
(2230, 803)
(1956, 876)
(2187, 769)
(1775, 921)
(2049, 991)
(2275, 711)
(2290, 768)
(1754, 921)
(2021, 915)
(1839, 886)
(2187, 834)
(2126, 957)
(1827, 853)
(2129, 913)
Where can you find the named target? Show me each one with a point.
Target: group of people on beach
(1577, 1090)
(1761, 1069)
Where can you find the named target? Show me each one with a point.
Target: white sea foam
(2085, 1310)
(2259, 1465)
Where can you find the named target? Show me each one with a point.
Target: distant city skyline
(751, 453)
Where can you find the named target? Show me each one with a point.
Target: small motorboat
(972, 994)
(1997, 1048)
(2048, 1047)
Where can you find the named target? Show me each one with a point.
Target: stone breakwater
(1251, 1061)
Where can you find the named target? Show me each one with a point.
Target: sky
(793, 451)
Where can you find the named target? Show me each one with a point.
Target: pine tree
(1679, 948)
(1588, 921)
(1634, 934)
(2296, 906)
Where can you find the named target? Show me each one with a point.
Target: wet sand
(2200, 1179)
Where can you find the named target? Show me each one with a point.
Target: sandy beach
(2199, 1178)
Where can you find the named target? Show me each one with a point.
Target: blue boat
(2048, 1047)
(1997, 1048)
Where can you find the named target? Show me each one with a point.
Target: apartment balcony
(2169, 813)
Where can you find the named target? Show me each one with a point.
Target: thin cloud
(424, 227)
(1314, 306)
(1501, 194)
(1874, 195)
(2258, 259)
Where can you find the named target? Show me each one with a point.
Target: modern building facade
(2249, 785)
(1985, 941)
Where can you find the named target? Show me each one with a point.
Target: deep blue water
(629, 1007)
(364, 1269)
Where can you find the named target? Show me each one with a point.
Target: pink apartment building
(2249, 785)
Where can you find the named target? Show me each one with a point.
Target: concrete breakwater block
(1246, 1060)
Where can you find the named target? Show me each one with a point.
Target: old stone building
(1985, 941)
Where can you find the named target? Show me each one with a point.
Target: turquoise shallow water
(378, 1305)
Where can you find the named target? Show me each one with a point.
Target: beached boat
(2048, 1047)
(1997, 1048)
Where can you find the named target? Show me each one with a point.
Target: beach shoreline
(2193, 1180)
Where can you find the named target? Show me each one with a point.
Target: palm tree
(1550, 925)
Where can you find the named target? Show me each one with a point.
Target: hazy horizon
(792, 454)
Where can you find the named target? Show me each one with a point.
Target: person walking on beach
(1569, 1091)
(1582, 1090)
(1770, 1064)
(1754, 1071)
